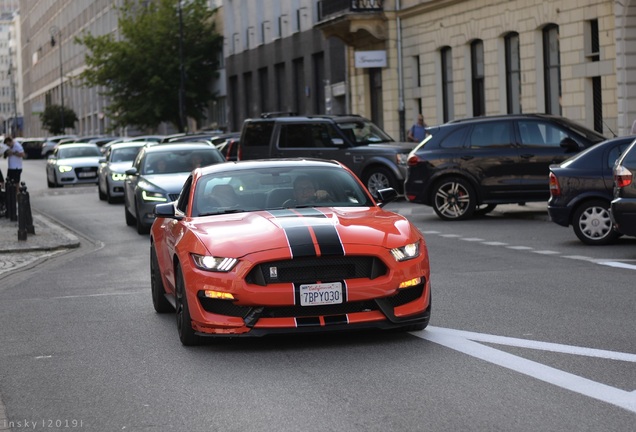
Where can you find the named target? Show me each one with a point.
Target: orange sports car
(285, 245)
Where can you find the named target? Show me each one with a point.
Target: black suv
(355, 141)
(466, 167)
(623, 207)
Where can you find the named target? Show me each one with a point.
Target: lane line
(550, 375)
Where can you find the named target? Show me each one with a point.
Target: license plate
(86, 174)
(320, 294)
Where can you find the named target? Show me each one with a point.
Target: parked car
(51, 142)
(250, 267)
(581, 189)
(229, 148)
(32, 147)
(623, 206)
(73, 164)
(467, 167)
(355, 141)
(157, 176)
(112, 168)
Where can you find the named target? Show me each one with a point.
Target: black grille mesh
(309, 270)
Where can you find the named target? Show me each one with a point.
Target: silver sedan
(112, 170)
(72, 164)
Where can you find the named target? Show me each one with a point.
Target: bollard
(11, 195)
(28, 216)
(24, 213)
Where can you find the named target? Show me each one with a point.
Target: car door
(540, 145)
(490, 157)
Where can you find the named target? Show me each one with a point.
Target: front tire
(130, 219)
(184, 322)
(102, 195)
(159, 301)
(142, 228)
(454, 199)
(592, 224)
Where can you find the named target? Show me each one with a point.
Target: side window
(323, 133)
(182, 203)
(615, 153)
(296, 136)
(455, 139)
(540, 134)
(491, 134)
(257, 134)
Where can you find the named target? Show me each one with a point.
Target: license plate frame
(86, 174)
(319, 294)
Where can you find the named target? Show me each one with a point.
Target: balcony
(356, 22)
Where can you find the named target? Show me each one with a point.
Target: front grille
(86, 172)
(306, 311)
(309, 270)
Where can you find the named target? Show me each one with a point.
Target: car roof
(127, 144)
(270, 163)
(177, 146)
(268, 117)
(79, 145)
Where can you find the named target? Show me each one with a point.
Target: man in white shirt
(15, 154)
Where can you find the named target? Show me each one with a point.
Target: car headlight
(153, 196)
(64, 168)
(407, 252)
(118, 176)
(401, 158)
(216, 264)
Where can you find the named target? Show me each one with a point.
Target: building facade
(51, 60)
(11, 121)
(278, 61)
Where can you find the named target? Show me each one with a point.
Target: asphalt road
(531, 330)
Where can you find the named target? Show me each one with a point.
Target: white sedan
(72, 164)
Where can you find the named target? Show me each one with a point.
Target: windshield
(274, 188)
(364, 132)
(181, 161)
(78, 152)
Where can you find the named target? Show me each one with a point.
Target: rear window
(257, 134)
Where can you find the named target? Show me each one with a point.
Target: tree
(52, 119)
(141, 73)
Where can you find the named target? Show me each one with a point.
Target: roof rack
(278, 114)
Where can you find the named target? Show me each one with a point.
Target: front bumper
(259, 310)
(623, 215)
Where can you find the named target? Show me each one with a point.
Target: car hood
(171, 183)
(323, 230)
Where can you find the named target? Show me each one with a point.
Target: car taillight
(555, 188)
(622, 176)
(413, 160)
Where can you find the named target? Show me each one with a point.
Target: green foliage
(52, 118)
(140, 74)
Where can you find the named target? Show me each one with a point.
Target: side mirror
(165, 210)
(569, 145)
(131, 171)
(386, 196)
(337, 142)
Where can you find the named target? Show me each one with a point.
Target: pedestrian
(14, 154)
(417, 132)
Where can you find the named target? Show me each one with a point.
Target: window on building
(263, 87)
(279, 70)
(318, 96)
(477, 77)
(447, 83)
(513, 73)
(592, 44)
(552, 69)
(299, 86)
(597, 97)
(418, 71)
(248, 93)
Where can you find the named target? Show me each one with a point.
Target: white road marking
(519, 247)
(618, 264)
(495, 243)
(465, 342)
(547, 252)
(472, 239)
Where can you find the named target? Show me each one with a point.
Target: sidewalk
(50, 238)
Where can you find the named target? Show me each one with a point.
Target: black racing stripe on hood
(300, 241)
(328, 240)
(297, 226)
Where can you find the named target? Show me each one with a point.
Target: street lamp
(54, 30)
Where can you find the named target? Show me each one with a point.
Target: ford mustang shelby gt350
(273, 246)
